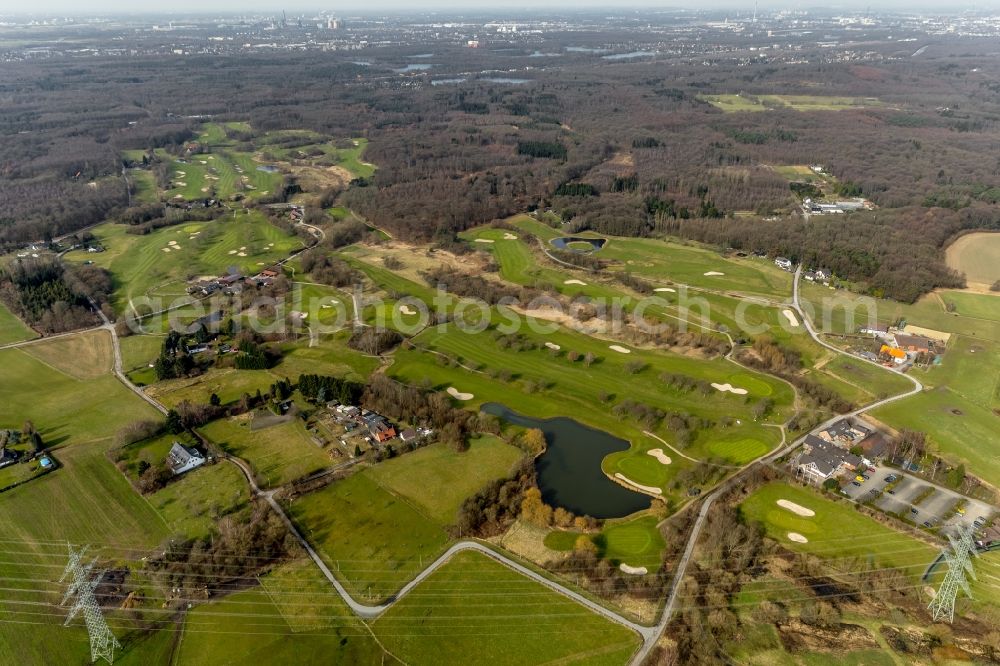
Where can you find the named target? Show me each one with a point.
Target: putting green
(754, 386)
(738, 449)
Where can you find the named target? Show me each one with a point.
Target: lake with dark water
(569, 472)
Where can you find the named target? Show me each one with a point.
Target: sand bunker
(407, 310)
(797, 509)
(173, 242)
(633, 571)
(204, 189)
(181, 184)
(509, 236)
(659, 455)
(243, 247)
(649, 489)
(203, 161)
(166, 249)
(458, 395)
(797, 538)
(231, 252)
(730, 388)
(661, 289)
(790, 316)
(241, 254)
(580, 282)
(484, 240)
(713, 273)
(620, 349)
(552, 345)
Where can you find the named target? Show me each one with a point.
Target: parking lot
(935, 509)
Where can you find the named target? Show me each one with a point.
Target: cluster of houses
(899, 346)
(820, 275)
(380, 430)
(827, 454)
(232, 282)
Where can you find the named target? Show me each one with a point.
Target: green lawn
(373, 540)
(636, 542)
(278, 454)
(437, 479)
(228, 383)
(475, 610)
(13, 329)
(876, 382)
(837, 532)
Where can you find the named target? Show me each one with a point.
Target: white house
(783, 263)
(182, 459)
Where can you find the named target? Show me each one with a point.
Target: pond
(268, 168)
(569, 472)
(568, 243)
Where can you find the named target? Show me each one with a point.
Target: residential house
(875, 330)
(916, 344)
(898, 356)
(783, 263)
(183, 459)
(8, 457)
(408, 435)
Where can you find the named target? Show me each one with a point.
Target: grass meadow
(474, 609)
(13, 329)
(636, 542)
(356, 523)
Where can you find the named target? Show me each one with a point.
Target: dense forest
(630, 148)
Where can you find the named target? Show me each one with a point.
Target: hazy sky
(79, 7)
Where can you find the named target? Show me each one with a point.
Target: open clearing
(836, 532)
(734, 103)
(455, 616)
(977, 255)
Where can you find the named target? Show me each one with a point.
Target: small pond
(566, 243)
(569, 472)
(268, 168)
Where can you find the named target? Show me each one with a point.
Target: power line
(82, 586)
(943, 604)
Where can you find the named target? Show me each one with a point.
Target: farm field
(837, 532)
(65, 410)
(265, 625)
(740, 102)
(13, 329)
(228, 383)
(158, 264)
(455, 616)
(874, 381)
(545, 384)
(437, 479)
(354, 525)
(83, 356)
(278, 454)
(977, 255)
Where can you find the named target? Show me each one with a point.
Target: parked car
(890, 478)
(859, 478)
(913, 510)
(872, 470)
(855, 483)
(891, 492)
(927, 523)
(865, 477)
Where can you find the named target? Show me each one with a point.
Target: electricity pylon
(82, 586)
(943, 604)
